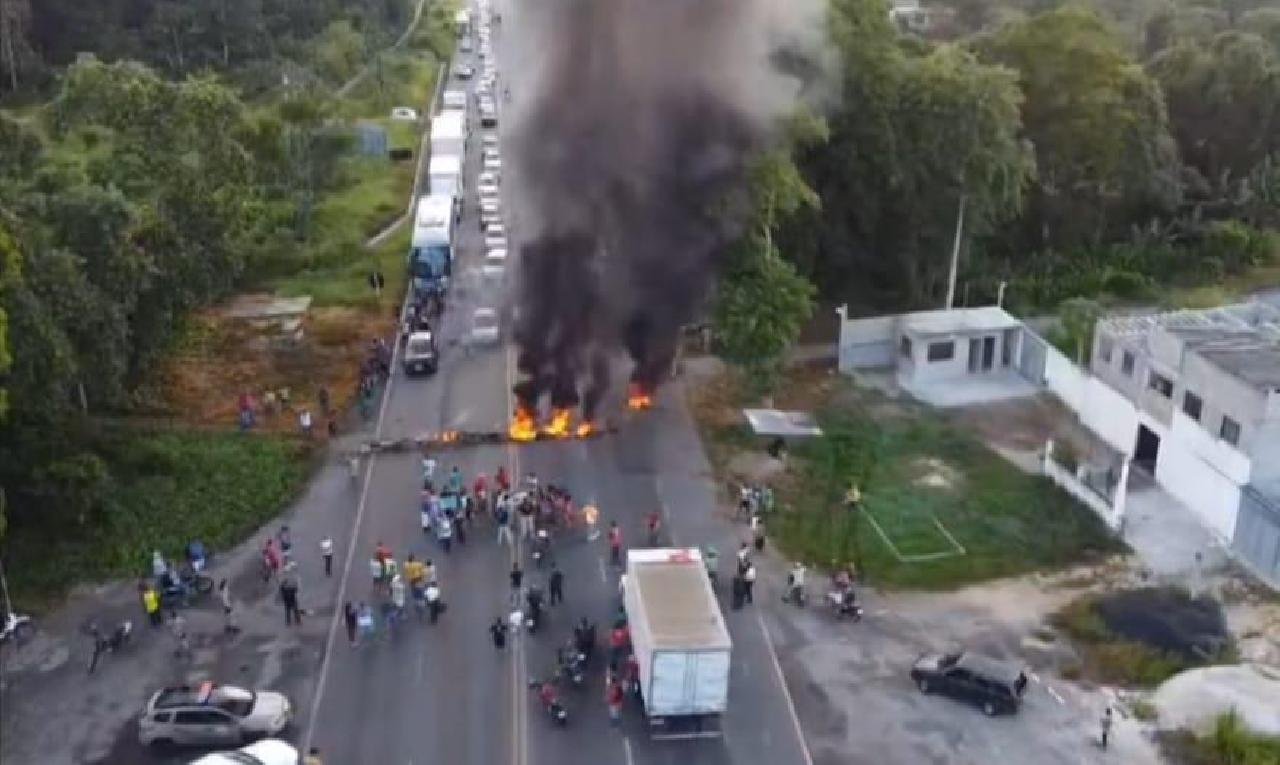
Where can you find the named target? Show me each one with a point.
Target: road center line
(786, 692)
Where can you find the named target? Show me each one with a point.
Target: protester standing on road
(555, 585)
(455, 480)
(289, 595)
(498, 631)
(270, 560)
(1107, 721)
(435, 603)
(748, 582)
(326, 551)
(501, 480)
(526, 511)
(615, 544)
(286, 543)
(228, 610)
(757, 532)
(349, 617)
(444, 532)
(654, 526)
(151, 604)
(502, 519)
(517, 577)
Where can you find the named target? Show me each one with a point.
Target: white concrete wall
(1111, 513)
(1213, 496)
(867, 343)
(1100, 407)
(948, 369)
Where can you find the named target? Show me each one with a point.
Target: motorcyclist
(534, 601)
(547, 693)
(584, 637)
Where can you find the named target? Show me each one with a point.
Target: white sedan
(495, 242)
(487, 189)
(268, 751)
(485, 328)
(490, 207)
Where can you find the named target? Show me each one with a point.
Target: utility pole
(955, 253)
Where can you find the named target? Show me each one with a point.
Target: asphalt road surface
(442, 693)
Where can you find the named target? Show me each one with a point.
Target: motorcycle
(550, 700)
(584, 639)
(572, 663)
(844, 605)
(112, 643)
(182, 589)
(795, 593)
(17, 626)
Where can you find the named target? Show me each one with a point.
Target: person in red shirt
(654, 525)
(501, 480)
(613, 698)
(631, 673)
(382, 552)
(480, 485)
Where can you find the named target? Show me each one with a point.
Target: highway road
(442, 693)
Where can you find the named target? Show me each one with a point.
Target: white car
(489, 141)
(495, 229)
(464, 45)
(490, 207)
(463, 71)
(488, 190)
(211, 714)
(493, 164)
(404, 114)
(495, 242)
(268, 751)
(488, 179)
(495, 265)
(485, 328)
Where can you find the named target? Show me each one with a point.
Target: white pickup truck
(680, 640)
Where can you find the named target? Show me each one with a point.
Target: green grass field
(940, 510)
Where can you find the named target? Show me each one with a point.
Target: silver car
(212, 714)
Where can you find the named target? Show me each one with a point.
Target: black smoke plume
(630, 152)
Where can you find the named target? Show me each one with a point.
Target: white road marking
(604, 576)
(626, 750)
(367, 480)
(786, 692)
(1055, 695)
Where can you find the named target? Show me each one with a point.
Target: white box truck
(449, 134)
(680, 641)
(444, 175)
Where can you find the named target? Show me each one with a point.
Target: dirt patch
(935, 473)
(220, 358)
(1025, 424)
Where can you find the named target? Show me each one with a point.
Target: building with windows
(1205, 388)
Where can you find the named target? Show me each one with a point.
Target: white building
(1205, 390)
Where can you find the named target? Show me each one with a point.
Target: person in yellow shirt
(415, 572)
(151, 604)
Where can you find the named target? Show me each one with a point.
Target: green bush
(1230, 743)
(166, 488)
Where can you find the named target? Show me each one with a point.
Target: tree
(8, 272)
(339, 52)
(1078, 316)
(15, 17)
(1224, 102)
(762, 302)
(1265, 23)
(1104, 156)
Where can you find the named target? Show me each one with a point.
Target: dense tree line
(1087, 153)
(260, 42)
(127, 203)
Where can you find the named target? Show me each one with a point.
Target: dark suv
(994, 686)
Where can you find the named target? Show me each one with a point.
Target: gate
(1257, 536)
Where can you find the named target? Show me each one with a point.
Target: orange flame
(449, 436)
(560, 425)
(524, 426)
(638, 398)
(586, 429)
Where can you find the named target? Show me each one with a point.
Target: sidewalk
(54, 712)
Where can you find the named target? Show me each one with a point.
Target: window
(1161, 384)
(1192, 405)
(1105, 347)
(1126, 363)
(1230, 430)
(905, 347)
(942, 351)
